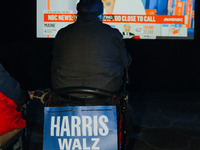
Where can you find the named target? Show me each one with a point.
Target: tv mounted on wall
(135, 19)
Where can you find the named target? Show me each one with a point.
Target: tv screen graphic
(135, 19)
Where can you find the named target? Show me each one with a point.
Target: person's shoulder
(108, 27)
(66, 27)
(63, 30)
(113, 31)
(1, 67)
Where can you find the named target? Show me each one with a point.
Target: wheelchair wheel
(122, 133)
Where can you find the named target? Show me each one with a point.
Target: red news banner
(157, 19)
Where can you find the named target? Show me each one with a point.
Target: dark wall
(158, 65)
(28, 61)
(164, 65)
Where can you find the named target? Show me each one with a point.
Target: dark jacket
(89, 53)
(10, 87)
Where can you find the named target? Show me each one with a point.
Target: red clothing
(10, 119)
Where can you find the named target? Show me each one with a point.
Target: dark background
(158, 65)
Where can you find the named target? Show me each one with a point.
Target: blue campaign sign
(80, 128)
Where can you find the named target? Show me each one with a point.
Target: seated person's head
(90, 7)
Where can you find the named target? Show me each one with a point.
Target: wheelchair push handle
(45, 95)
(41, 95)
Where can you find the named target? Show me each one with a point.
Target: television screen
(135, 19)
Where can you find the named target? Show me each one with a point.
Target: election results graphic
(80, 128)
(143, 19)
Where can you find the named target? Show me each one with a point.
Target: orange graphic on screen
(175, 31)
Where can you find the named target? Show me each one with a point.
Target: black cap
(90, 7)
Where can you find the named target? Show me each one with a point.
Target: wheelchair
(90, 96)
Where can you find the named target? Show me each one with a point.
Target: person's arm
(124, 55)
(11, 87)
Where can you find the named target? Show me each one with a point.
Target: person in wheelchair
(88, 53)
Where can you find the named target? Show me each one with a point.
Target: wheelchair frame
(121, 100)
